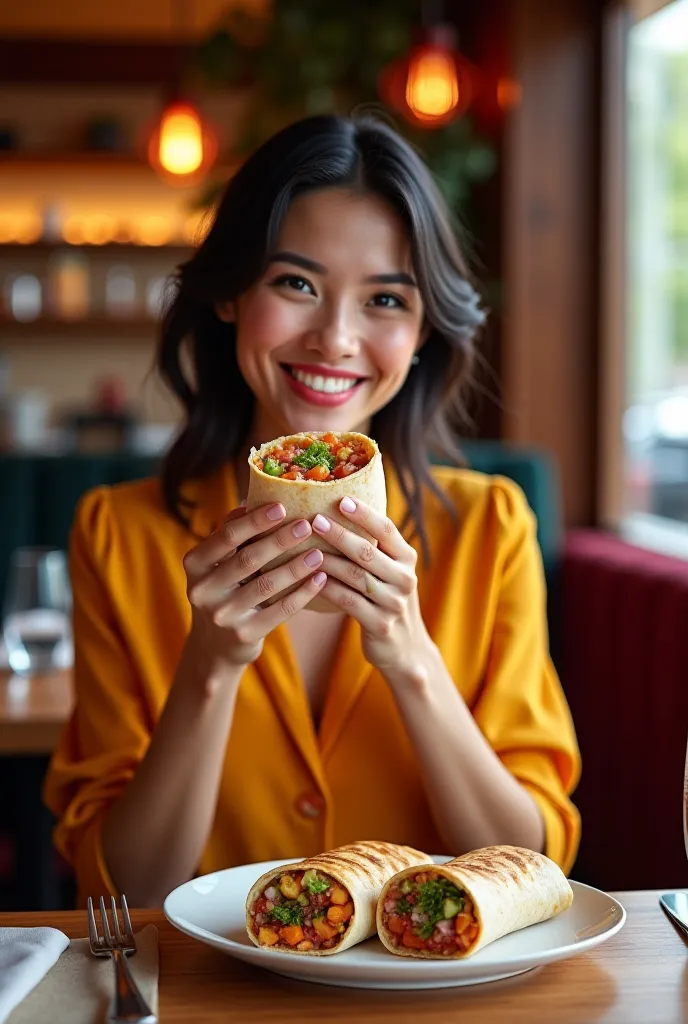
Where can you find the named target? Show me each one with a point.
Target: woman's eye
(298, 284)
(385, 300)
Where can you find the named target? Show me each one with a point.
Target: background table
(33, 712)
(638, 977)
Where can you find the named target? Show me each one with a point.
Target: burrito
(327, 903)
(455, 909)
(310, 473)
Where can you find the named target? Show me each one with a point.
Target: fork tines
(123, 938)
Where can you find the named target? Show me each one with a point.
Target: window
(655, 421)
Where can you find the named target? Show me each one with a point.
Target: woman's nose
(335, 337)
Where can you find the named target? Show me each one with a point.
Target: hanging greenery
(314, 57)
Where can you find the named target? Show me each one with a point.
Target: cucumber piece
(451, 908)
(406, 886)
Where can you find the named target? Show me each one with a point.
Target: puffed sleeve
(521, 707)
(109, 731)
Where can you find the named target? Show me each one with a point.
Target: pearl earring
(415, 361)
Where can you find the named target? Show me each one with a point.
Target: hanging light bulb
(182, 145)
(431, 85)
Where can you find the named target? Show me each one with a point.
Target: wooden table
(638, 977)
(33, 711)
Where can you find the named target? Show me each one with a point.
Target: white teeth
(328, 385)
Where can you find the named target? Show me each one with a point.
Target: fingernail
(319, 578)
(313, 558)
(321, 524)
(276, 512)
(347, 505)
(301, 529)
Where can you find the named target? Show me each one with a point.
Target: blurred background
(558, 130)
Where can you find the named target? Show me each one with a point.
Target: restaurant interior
(564, 156)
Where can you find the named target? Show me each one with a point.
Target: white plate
(211, 909)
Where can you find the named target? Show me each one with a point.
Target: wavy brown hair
(197, 351)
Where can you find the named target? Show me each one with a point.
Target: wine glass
(37, 611)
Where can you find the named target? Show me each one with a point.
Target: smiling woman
(219, 719)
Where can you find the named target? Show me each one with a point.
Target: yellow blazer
(287, 791)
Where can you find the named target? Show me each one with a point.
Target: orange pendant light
(182, 146)
(432, 85)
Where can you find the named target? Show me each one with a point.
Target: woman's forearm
(154, 834)
(475, 801)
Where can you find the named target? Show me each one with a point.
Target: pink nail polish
(321, 524)
(319, 578)
(275, 512)
(301, 529)
(313, 558)
(347, 505)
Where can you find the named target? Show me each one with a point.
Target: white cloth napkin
(26, 955)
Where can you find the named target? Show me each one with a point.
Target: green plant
(311, 57)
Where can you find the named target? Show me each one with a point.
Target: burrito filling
(324, 458)
(302, 910)
(427, 911)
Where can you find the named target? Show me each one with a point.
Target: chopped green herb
(272, 467)
(288, 913)
(432, 897)
(314, 884)
(404, 907)
(424, 930)
(317, 454)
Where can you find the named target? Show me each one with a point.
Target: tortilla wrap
(303, 499)
(510, 888)
(362, 868)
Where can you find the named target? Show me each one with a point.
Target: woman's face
(326, 337)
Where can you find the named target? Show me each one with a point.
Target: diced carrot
(411, 940)
(422, 877)
(318, 472)
(292, 474)
(324, 930)
(267, 937)
(339, 896)
(329, 438)
(339, 914)
(471, 933)
(292, 933)
(397, 925)
(463, 921)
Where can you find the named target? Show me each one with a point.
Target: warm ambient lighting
(182, 146)
(433, 84)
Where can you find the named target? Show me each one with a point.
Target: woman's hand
(226, 590)
(377, 586)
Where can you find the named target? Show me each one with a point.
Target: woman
(211, 730)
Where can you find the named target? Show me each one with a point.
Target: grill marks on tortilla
(372, 860)
(499, 867)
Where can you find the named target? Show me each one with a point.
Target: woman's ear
(225, 311)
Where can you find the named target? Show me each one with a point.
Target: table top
(638, 976)
(33, 711)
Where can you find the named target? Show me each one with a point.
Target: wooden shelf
(89, 327)
(108, 249)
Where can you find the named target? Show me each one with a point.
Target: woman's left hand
(377, 586)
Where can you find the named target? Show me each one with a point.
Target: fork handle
(128, 1005)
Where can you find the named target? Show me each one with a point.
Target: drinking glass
(37, 611)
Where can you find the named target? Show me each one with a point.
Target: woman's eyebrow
(286, 256)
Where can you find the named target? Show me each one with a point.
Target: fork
(128, 1005)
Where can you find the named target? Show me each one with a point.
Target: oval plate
(212, 909)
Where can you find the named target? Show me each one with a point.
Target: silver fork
(128, 1005)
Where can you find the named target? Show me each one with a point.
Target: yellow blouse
(287, 791)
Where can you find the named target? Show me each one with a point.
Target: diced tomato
(398, 925)
(412, 941)
(292, 474)
(261, 906)
(343, 470)
(318, 472)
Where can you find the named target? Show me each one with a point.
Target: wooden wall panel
(551, 262)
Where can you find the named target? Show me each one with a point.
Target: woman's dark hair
(365, 155)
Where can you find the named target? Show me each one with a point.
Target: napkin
(80, 986)
(26, 955)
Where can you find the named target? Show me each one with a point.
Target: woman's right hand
(226, 590)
